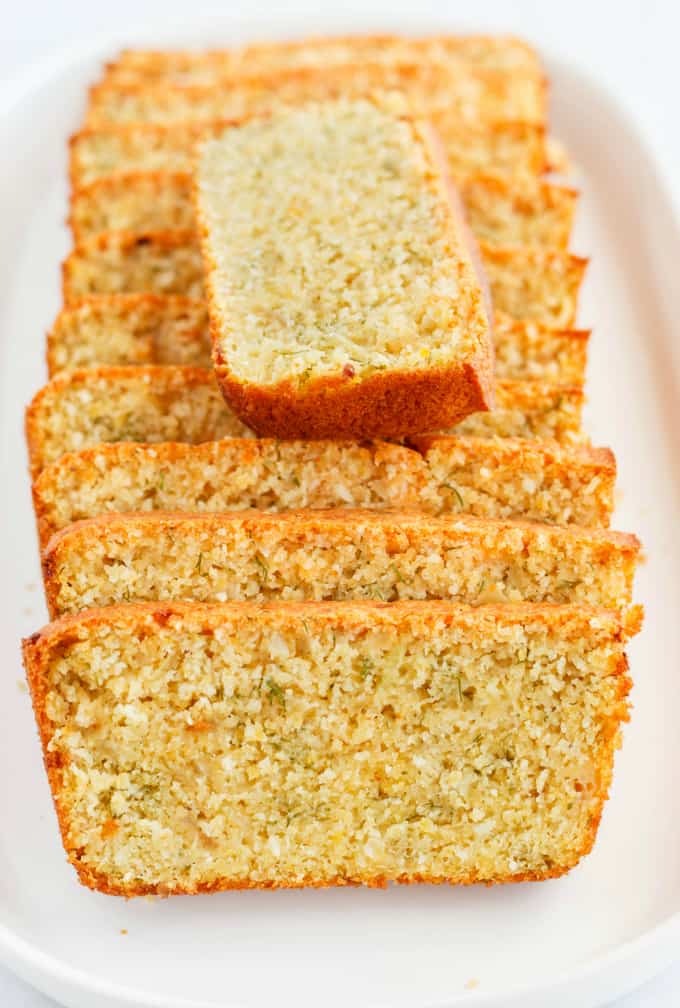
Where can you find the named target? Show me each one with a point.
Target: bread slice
(89, 406)
(534, 212)
(526, 212)
(131, 329)
(331, 556)
(343, 289)
(119, 329)
(538, 480)
(539, 285)
(462, 52)
(476, 97)
(192, 748)
(511, 149)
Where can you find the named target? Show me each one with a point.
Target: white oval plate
(576, 941)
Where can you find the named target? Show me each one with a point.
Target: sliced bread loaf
(192, 748)
(526, 212)
(79, 409)
(478, 96)
(343, 289)
(512, 149)
(461, 52)
(537, 480)
(89, 406)
(330, 556)
(119, 329)
(539, 285)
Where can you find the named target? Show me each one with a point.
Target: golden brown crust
(568, 621)
(384, 404)
(478, 95)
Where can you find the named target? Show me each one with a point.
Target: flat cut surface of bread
(89, 406)
(461, 52)
(343, 289)
(134, 329)
(501, 478)
(539, 285)
(476, 96)
(498, 212)
(330, 556)
(513, 149)
(193, 748)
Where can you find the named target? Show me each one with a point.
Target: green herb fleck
(365, 667)
(259, 560)
(199, 563)
(456, 491)
(275, 691)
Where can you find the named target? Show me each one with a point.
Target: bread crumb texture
(136, 329)
(492, 479)
(198, 748)
(515, 150)
(326, 556)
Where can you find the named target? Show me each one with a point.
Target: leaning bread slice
(540, 285)
(527, 212)
(192, 748)
(331, 556)
(89, 406)
(120, 329)
(537, 480)
(79, 409)
(343, 289)
(462, 52)
(479, 96)
(511, 149)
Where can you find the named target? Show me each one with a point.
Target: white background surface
(631, 46)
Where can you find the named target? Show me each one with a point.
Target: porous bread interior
(531, 284)
(477, 97)
(320, 556)
(268, 751)
(143, 329)
(527, 212)
(491, 479)
(130, 404)
(130, 330)
(329, 245)
(514, 149)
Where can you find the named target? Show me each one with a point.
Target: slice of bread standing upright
(343, 290)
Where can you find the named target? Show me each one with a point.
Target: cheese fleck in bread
(330, 556)
(502, 478)
(343, 290)
(192, 748)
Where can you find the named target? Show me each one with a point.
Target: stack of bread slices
(335, 597)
